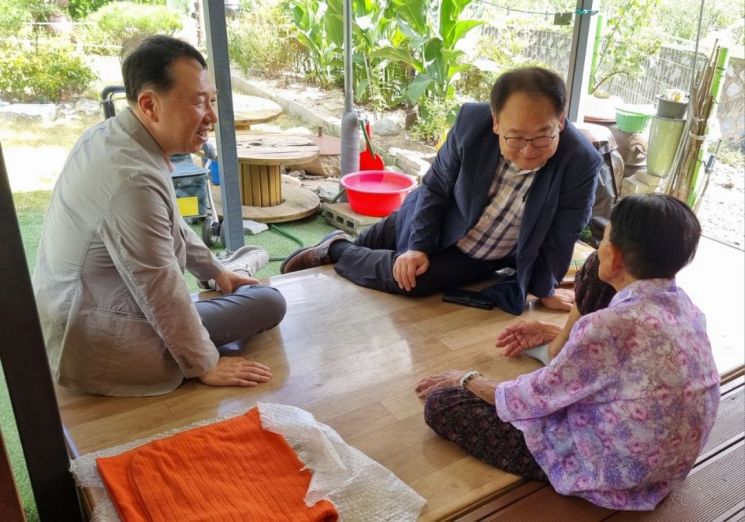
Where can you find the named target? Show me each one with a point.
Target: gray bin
(670, 109)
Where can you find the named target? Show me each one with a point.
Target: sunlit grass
(61, 132)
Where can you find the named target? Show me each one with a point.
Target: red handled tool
(369, 160)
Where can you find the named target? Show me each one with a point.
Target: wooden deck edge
(736, 513)
(496, 501)
(733, 389)
(732, 375)
(677, 505)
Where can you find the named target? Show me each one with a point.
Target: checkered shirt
(495, 234)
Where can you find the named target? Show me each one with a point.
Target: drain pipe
(350, 131)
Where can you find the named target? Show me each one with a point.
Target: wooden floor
(351, 357)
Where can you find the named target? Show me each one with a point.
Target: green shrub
(43, 10)
(120, 23)
(435, 117)
(259, 40)
(44, 74)
(79, 9)
(476, 83)
(497, 52)
(13, 17)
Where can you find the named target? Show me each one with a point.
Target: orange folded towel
(231, 470)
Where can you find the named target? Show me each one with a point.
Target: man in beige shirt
(116, 312)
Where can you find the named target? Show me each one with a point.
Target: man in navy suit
(513, 186)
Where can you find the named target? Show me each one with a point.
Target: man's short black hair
(149, 64)
(656, 234)
(529, 80)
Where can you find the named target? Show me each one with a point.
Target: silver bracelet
(468, 377)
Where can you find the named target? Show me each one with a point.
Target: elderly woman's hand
(523, 335)
(429, 384)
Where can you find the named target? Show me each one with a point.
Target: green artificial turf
(15, 452)
(31, 207)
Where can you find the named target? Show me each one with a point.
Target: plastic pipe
(350, 134)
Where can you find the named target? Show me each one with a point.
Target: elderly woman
(620, 414)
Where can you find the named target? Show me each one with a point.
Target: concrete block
(342, 216)
(410, 162)
(253, 228)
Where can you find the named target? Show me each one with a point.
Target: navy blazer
(455, 189)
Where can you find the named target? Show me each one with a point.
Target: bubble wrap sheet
(360, 488)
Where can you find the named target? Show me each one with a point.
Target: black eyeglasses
(538, 142)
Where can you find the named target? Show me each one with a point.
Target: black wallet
(467, 298)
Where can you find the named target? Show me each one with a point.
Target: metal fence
(670, 68)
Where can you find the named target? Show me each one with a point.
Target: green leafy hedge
(260, 40)
(119, 23)
(79, 9)
(13, 16)
(44, 74)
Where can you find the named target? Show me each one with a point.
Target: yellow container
(188, 206)
(664, 136)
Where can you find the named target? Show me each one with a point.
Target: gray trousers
(247, 311)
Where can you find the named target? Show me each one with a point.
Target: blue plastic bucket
(214, 171)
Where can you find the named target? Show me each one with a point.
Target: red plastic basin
(376, 192)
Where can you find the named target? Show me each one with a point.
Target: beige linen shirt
(115, 310)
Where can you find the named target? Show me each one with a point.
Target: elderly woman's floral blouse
(621, 414)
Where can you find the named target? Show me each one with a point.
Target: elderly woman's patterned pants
(472, 423)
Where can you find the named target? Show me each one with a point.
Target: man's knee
(275, 303)
(266, 300)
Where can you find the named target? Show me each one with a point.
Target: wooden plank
(255, 181)
(499, 501)
(729, 424)
(248, 110)
(545, 503)
(275, 187)
(297, 203)
(245, 187)
(738, 514)
(733, 378)
(275, 149)
(709, 492)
